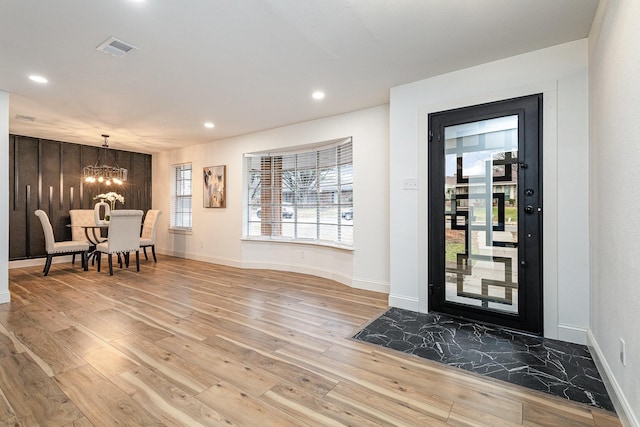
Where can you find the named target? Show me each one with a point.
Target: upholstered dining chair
(124, 237)
(149, 231)
(80, 217)
(59, 248)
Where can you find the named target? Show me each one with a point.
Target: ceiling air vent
(115, 47)
(25, 118)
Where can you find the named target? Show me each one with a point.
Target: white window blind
(181, 192)
(303, 195)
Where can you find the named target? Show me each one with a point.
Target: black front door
(485, 213)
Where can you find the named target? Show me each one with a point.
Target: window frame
(180, 201)
(333, 179)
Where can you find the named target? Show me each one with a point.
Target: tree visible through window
(181, 191)
(304, 195)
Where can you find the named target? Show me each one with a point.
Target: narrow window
(181, 211)
(302, 194)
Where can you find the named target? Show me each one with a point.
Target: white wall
(560, 73)
(614, 114)
(217, 233)
(4, 193)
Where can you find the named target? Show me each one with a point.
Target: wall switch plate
(410, 184)
(623, 352)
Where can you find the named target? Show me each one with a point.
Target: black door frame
(530, 269)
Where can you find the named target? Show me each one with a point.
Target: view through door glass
(485, 213)
(481, 217)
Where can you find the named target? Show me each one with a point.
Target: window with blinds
(181, 211)
(304, 195)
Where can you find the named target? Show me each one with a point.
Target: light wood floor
(189, 343)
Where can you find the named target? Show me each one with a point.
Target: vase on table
(102, 213)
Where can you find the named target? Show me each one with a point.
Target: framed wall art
(214, 194)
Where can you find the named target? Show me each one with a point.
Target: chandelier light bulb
(101, 171)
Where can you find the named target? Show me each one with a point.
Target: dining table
(94, 235)
(93, 232)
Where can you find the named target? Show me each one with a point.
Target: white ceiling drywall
(246, 65)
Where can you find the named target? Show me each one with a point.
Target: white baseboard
(405, 303)
(35, 262)
(302, 269)
(211, 260)
(367, 285)
(623, 408)
(5, 297)
(572, 334)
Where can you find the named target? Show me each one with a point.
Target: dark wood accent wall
(47, 175)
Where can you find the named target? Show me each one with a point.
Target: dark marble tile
(555, 367)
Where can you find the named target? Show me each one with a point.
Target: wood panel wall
(47, 175)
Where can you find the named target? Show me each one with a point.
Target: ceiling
(245, 65)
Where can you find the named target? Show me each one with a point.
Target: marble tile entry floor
(555, 367)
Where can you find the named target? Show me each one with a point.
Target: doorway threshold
(559, 368)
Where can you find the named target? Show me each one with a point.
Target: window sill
(299, 242)
(180, 231)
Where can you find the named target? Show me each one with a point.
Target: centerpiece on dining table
(107, 203)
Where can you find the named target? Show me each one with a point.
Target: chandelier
(105, 173)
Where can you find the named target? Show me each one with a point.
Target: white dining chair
(149, 231)
(80, 217)
(54, 248)
(124, 237)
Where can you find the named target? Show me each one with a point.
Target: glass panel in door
(481, 214)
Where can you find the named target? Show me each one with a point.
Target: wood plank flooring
(186, 343)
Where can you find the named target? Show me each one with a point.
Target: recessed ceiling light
(209, 125)
(38, 79)
(318, 95)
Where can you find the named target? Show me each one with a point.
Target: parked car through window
(348, 214)
(287, 212)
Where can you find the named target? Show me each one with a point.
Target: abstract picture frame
(214, 182)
